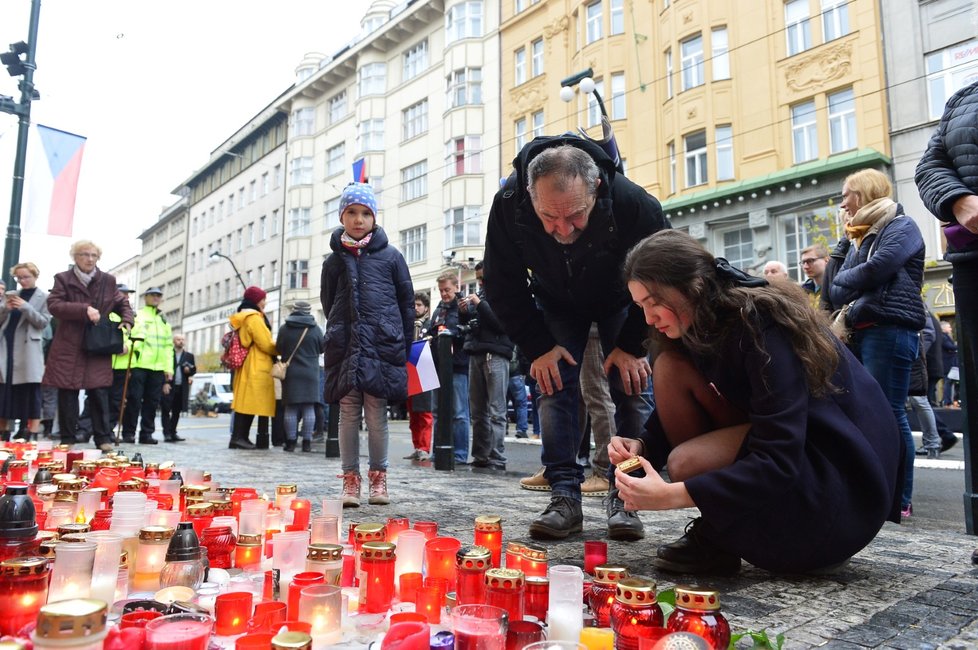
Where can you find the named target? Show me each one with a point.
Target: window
(671, 152)
(220, 210)
(799, 231)
(252, 191)
(298, 273)
(414, 181)
(804, 132)
(303, 121)
(301, 169)
(331, 214)
(193, 226)
(262, 228)
(618, 96)
(537, 119)
(261, 276)
(193, 262)
(465, 87)
(617, 17)
(277, 177)
(251, 234)
(696, 171)
(797, 26)
(536, 57)
(220, 206)
(519, 129)
(335, 159)
(274, 273)
(299, 222)
(462, 226)
(413, 244)
(370, 136)
(463, 156)
(463, 20)
(518, 6)
(336, 107)
(949, 70)
(721, 58)
(372, 79)
(240, 240)
(593, 108)
(725, 157)
(415, 60)
(835, 19)
(592, 22)
(275, 222)
(692, 62)
(738, 247)
(842, 121)
(669, 72)
(415, 120)
(519, 62)
(241, 199)
(264, 184)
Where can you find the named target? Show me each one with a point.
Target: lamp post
(217, 254)
(585, 81)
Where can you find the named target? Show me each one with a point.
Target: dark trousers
(241, 425)
(115, 397)
(142, 399)
(170, 407)
(966, 319)
(98, 407)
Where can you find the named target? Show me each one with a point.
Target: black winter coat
(486, 333)
(885, 285)
(447, 316)
(527, 270)
(301, 385)
(368, 300)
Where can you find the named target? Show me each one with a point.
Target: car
(216, 387)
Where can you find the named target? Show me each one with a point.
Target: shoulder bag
(279, 368)
(104, 337)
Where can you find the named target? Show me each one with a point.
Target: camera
(468, 328)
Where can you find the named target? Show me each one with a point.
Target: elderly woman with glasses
(82, 295)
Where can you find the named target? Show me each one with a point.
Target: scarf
(84, 278)
(355, 246)
(870, 219)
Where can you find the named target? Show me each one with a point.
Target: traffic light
(12, 59)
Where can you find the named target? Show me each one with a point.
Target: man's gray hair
(563, 163)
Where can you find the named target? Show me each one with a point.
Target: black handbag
(103, 338)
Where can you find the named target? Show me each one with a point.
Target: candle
(179, 632)
(408, 585)
(23, 590)
(254, 641)
(514, 555)
(471, 565)
(565, 617)
(299, 582)
(635, 613)
(219, 542)
(534, 562)
(396, 525)
(268, 616)
(698, 611)
(489, 533)
(429, 528)
(504, 589)
(326, 559)
(300, 513)
(71, 576)
(602, 595)
(324, 530)
(322, 607)
(407, 635)
(410, 552)
(284, 495)
(522, 633)
(479, 627)
(377, 583)
(248, 552)
(595, 553)
(73, 623)
(428, 602)
(153, 544)
(598, 638)
(536, 597)
(439, 558)
(232, 611)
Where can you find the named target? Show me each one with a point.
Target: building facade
(162, 263)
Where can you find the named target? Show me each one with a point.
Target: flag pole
(11, 249)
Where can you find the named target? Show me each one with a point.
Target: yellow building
(743, 118)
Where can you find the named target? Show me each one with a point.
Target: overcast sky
(154, 86)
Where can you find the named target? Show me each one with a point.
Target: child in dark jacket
(368, 299)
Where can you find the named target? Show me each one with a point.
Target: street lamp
(217, 254)
(585, 81)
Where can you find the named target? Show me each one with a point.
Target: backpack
(234, 352)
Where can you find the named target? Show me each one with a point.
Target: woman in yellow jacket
(254, 389)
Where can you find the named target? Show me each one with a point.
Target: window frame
(835, 19)
(797, 30)
(414, 242)
(519, 66)
(593, 22)
(415, 60)
(695, 160)
(723, 136)
(691, 63)
(841, 109)
(536, 58)
(807, 129)
(372, 79)
(414, 120)
(720, 53)
(335, 159)
(414, 181)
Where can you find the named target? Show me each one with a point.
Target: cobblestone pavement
(908, 589)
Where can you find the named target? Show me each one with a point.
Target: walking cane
(125, 389)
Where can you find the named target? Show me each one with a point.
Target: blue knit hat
(359, 193)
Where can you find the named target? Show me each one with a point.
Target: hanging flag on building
(360, 171)
(422, 375)
(51, 182)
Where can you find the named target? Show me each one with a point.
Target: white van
(217, 387)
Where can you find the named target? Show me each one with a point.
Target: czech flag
(422, 375)
(52, 180)
(360, 171)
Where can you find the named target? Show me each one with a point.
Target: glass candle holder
(326, 559)
(77, 623)
(289, 554)
(248, 552)
(322, 607)
(268, 616)
(71, 576)
(284, 495)
(240, 495)
(635, 614)
(231, 612)
(301, 511)
(439, 558)
(23, 590)
(377, 582)
(408, 585)
(428, 601)
(479, 627)
(299, 582)
(698, 611)
(219, 542)
(150, 557)
(505, 589)
(395, 526)
(251, 518)
(429, 528)
(534, 560)
(179, 632)
(522, 633)
(602, 595)
(200, 515)
(565, 616)
(471, 564)
(536, 597)
(595, 553)
(489, 534)
(323, 530)
(410, 552)
(105, 569)
(331, 506)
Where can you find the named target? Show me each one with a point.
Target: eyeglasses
(92, 255)
(23, 277)
(809, 261)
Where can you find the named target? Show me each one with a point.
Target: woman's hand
(620, 449)
(14, 302)
(651, 492)
(93, 314)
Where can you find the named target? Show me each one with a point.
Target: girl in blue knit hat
(368, 299)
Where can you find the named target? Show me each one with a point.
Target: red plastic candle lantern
(299, 582)
(429, 528)
(514, 555)
(248, 552)
(240, 494)
(377, 589)
(534, 562)
(200, 515)
(232, 611)
(72, 456)
(595, 553)
(429, 603)
(23, 590)
(268, 616)
(107, 478)
(602, 596)
(441, 584)
(394, 527)
(190, 494)
(219, 542)
(102, 520)
(698, 611)
(165, 501)
(439, 558)
(471, 564)
(489, 533)
(635, 614)
(408, 586)
(301, 509)
(17, 471)
(505, 589)
(536, 597)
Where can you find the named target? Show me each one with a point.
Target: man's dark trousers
(142, 399)
(170, 407)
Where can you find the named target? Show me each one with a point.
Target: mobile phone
(12, 293)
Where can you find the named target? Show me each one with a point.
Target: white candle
(564, 622)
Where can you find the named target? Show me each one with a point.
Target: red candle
(408, 586)
(441, 584)
(23, 590)
(534, 561)
(349, 569)
(602, 594)
(407, 635)
(536, 597)
(429, 528)
(439, 558)
(489, 534)
(504, 589)
(201, 515)
(377, 589)
(299, 581)
(514, 555)
(247, 552)
(232, 611)
(179, 632)
(139, 618)
(405, 617)
(698, 611)
(268, 616)
(72, 456)
(471, 565)
(394, 527)
(429, 603)
(254, 641)
(240, 494)
(219, 542)
(301, 509)
(635, 613)
(595, 553)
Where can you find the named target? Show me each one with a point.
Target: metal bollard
(444, 443)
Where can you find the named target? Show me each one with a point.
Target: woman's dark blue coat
(368, 300)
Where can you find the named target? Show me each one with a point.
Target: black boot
(306, 445)
(289, 445)
(261, 441)
(241, 443)
(693, 553)
(48, 427)
(622, 524)
(561, 518)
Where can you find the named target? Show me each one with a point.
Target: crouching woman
(764, 421)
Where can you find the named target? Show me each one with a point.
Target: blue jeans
(517, 393)
(295, 412)
(374, 411)
(488, 378)
(888, 352)
(460, 416)
(928, 424)
(559, 425)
